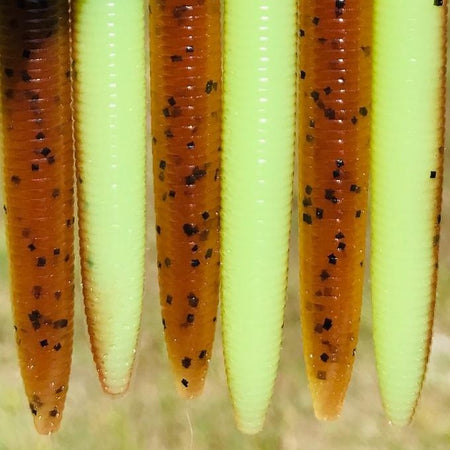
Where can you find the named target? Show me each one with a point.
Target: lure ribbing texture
(36, 140)
(186, 85)
(110, 111)
(409, 63)
(257, 177)
(333, 138)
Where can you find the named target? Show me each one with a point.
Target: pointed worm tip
(47, 427)
(249, 422)
(114, 385)
(328, 404)
(399, 420)
(249, 427)
(327, 413)
(190, 393)
(115, 391)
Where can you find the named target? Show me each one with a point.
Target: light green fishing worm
(257, 173)
(110, 114)
(406, 178)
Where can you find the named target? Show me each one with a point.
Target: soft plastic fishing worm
(333, 138)
(185, 62)
(38, 181)
(257, 175)
(406, 177)
(110, 112)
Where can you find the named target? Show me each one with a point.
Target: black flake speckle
(190, 229)
(41, 261)
(324, 275)
(36, 291)
(61, 323)
(307, 219)
(186, 362)
(193, 300)
(190, 318)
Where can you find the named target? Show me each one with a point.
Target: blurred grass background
(151, 416)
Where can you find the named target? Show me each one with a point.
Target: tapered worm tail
(186, 126)
(109, 100)
(406, 179)
(333, 138)
(257, 175)
(36, 138)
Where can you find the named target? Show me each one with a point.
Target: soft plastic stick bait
(406, 177)
(36, 133)
(186, 127)
(333, 138)
(109, 88)
(258, 144)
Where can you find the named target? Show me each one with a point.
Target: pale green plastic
(257, 175)
(408, 95)
(110, 92)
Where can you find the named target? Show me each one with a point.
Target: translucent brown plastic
(38, 182)
(186, 125)
(333, 134)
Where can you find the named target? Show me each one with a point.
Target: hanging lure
(409, 58)
(185, 67)
(36, 133)
(257, 176)
(110, 126)
(333, 139)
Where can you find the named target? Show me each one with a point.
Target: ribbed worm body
(186, 123)
(36, 133)
(257, 172)
(406, 178)
(109, 96)
(333, 138)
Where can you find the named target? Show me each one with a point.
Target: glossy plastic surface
(333, 153)
(257, 176)
(36, 141)
(109, 102)
(186, 86)
(406, 180)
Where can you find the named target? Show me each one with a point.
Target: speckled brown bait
(334, 110)
(186, 113)
(38, 179)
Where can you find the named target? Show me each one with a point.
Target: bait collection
(226, 101)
